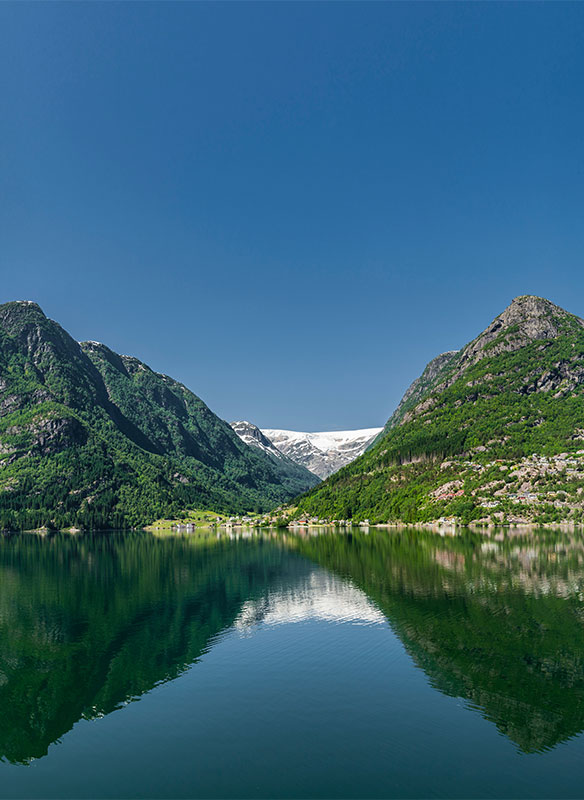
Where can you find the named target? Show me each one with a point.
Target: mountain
(91, 438)
(322, 453)
(253, 436)
(492, 432)
(418, 389)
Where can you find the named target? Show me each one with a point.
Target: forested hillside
(89, 438)
(495, 433)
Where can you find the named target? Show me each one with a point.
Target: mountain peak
(492, 433)
(24, 304)
(20, 310)
(530, 306)
(26, 323)
(526, 319)
(537, 317)
(522, 298)
(252, 435)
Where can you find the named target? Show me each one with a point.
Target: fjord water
(387, 664)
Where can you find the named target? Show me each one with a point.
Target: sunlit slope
(460, 444)
(322, 452)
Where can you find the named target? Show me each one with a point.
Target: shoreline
(439, 527)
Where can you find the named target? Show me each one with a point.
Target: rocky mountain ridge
(253, 436)
(416, 391)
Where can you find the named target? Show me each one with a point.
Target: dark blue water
(394, 664)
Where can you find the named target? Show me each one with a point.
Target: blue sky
(290, 207)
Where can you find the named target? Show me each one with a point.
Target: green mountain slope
(495, 433)
(93, 439)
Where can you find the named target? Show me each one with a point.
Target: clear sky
(290, 207)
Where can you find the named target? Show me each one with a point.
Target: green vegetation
(92, 439)
(195, 517)
(515, 391)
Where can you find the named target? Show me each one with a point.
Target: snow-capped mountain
(253, 436)
(324, 452)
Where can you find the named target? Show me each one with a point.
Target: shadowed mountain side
(497, 623)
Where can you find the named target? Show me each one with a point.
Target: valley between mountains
(322, 453)
(492, 433)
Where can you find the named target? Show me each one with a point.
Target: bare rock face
(253, 436)
(525, 320)
(52, 435)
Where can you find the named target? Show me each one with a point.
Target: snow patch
(323, 440)
(322, 452)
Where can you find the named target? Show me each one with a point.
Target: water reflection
(88, 623)
(498, 621)
(317, 596)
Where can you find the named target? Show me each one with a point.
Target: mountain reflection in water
(497, 621)
(90, 622)
(316, 596)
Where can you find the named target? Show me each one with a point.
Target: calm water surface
(388, 664)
